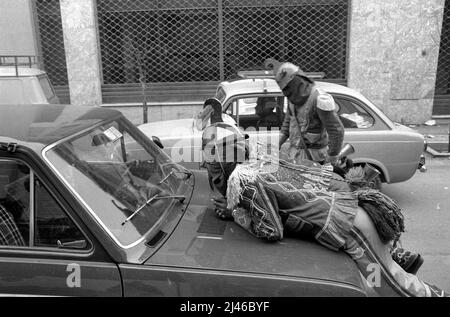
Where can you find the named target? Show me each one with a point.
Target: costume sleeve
(326, 110)
(286, 123)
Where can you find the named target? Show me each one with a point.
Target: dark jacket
(318, 122)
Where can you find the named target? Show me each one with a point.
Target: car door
(373, 140)
(44, 251)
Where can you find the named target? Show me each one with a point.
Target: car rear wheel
(376, 182)
(373, 173)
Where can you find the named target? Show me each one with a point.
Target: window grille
(53, 56)
(211, 40)
(443, 70)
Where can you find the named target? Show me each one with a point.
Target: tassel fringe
(241, 175)
(356, 178)
(384, 212)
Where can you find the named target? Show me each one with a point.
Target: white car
(21, 84)
(396, 151)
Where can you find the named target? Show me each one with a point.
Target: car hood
(202, 241)
(177, 129)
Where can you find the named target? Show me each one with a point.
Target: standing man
(315, 131)
(311, 123)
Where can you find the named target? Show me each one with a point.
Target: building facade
(112, 53)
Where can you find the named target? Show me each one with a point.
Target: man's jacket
(318, 122)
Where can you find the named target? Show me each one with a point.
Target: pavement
(438, 133)
(425, 202)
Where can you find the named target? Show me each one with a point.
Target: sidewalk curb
(437, 154)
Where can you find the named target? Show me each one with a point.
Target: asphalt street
(425, 201)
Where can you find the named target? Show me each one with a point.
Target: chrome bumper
(422, 166)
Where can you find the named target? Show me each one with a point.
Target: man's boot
(409, 261)
(436, 291)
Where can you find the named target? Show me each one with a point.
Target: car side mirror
(158, 142)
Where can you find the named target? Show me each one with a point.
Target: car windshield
(127, 184)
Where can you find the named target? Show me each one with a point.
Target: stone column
(393, 55)
(82, 51)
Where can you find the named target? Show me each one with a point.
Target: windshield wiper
(181, 198)
(167, 176)
(172, 172)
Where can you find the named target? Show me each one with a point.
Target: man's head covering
(223, 146)
(284, 72)
(212, 109)
(214, 103)
(223, 142)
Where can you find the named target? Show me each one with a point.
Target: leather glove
(342, 163)
(333, 160)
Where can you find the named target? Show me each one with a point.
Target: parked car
(90, 206)
(22, 83)
(395, 150)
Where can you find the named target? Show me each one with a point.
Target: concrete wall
(393, 55)
(17, 35)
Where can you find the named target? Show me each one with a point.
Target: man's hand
(220, 207)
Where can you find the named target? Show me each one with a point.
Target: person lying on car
(272, 198)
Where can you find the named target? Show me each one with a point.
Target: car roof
(21, 71)
(269, 85)
(37, 126)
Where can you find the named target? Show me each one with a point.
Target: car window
(220, 95)
(42, 223)
(353, 115)
(258, 112)
(232, 109)
(46, 87)
(12, 92)
(53, 228)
